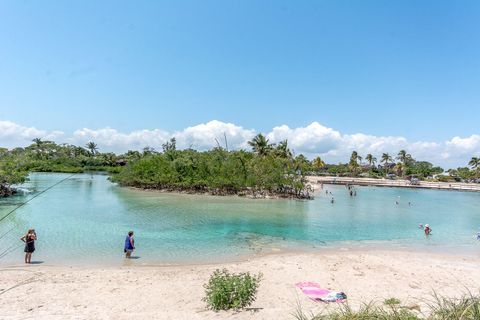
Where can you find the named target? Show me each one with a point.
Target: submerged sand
(175, 292)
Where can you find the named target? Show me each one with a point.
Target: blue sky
(383, 68)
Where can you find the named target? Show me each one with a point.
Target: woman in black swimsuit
(29, 240)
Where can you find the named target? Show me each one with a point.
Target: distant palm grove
(267, 170)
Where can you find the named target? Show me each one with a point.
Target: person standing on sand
(29, 239)
(129, 245)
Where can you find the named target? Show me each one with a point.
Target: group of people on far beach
(31, 236)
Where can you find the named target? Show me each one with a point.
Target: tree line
(267, 168)
(402, 165)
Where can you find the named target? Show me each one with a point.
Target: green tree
(318, 164)
(386, 160)
(282, 150)
(399, 168)
(371, 159)
(260, 145)
(354, 165)
(92, 147)
(474, 163)
(170, 146)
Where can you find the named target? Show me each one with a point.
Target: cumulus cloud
(13, 134)
(311, 140)
(113, 140)
(205, 136)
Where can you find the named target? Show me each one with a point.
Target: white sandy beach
(175, 292)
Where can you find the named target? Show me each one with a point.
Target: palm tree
(474, 163)
(38, 146)
(318, 163)
(371, 159)
(399, 167)
(354, 157)
(282, 150)
(386, 159)
(404, 157)
(38, 141)
(260, 145)
(353, 164)
(92, 147)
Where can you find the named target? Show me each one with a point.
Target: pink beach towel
(317, 293)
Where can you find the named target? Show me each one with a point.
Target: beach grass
(466, 307)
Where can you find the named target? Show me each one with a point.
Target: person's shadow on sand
(134, 257)
(36, 262)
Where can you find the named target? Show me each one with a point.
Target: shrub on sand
(226, 290)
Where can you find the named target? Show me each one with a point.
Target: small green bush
(391, 302)
(226, 290)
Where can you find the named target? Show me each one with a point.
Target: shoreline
(241, 195)
(358, 247)
(176, 292)
(400, 183)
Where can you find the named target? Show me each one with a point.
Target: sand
(175, 292)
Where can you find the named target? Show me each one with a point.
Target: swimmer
(332, 201)
(351, 193)
(478, 235)
(396, 202)
(427, 230)
(326, 191)
(355, 193)
(420, 226)
(409, 204)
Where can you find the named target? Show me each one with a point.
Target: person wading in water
(129, 245)
(29, 239)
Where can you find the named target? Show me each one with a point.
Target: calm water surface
(85, 219)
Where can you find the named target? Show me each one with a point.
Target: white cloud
(311, 140)
(13, 134)
(113, 140)
(203, 136)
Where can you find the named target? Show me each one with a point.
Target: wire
(10, 250)
(13, 248)
(38, 194)
(3, 235)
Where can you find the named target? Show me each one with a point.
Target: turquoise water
(85, 219)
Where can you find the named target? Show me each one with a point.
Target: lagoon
(84, 220)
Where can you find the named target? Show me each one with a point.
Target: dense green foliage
(226, 290)
(11, 172)
(269, 169)
(218, 171)
(406, 166)
(47, 156)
